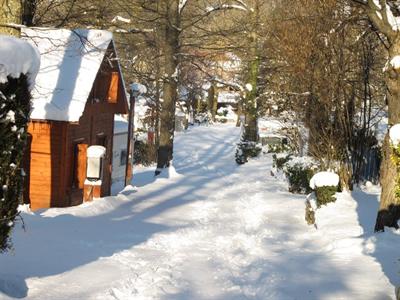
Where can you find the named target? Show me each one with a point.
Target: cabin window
(112, 96)
(79, 165)
(100, 89)
(122, 157)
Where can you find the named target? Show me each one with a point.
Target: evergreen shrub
(279, 161)
(246, 150)
(299, 177)
(299, 171)
(325, 194)
(14, 116)
(279, 148)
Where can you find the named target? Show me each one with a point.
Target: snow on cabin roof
(70, 60)
(18, 57)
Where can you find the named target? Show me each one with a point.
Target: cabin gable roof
(70, 61)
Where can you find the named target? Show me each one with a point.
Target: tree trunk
(389, 212)
(10, 13)
(167, 115)
(251, 111)
(252, 82)
(211, 101)
(157, 114)
(215, 106)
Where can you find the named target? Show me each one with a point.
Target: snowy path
(212, 231)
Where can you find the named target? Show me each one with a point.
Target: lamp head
(137, 89)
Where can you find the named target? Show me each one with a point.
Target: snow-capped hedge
(324, 179)
(18, 57)
(299, 171)
(304, 161)
(325, 185)
(19, 65)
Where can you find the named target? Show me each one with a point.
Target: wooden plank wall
(46, 163)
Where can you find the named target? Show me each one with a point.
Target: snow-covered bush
(14, 116)
(279, 160)
(19, 64)
(278, 148)
(325, 185)
(202, 118)
(226, 114)
(299, 171)
(325, 194)
(222, 112)
(246, 149)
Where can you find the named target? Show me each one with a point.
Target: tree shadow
(60, 240)
(377, 245)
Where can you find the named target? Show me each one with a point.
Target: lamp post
(135, 90)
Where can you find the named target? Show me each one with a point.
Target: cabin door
(79, 173)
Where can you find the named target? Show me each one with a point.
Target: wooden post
(129, 156)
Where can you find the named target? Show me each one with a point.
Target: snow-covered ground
(213, 230)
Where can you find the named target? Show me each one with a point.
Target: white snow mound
(394, 134)
(169, 173)
(18, 57)
(324, 179)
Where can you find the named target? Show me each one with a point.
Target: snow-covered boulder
(18, 57)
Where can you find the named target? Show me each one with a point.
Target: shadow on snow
(383, 252)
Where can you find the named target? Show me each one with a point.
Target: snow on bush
(298, 171)
(279, 160)
(304, 161)
(19, 65)
(18, 57)
(225, 114)
(394, 134)
(324, 179)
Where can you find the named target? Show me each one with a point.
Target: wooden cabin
(78, 90)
